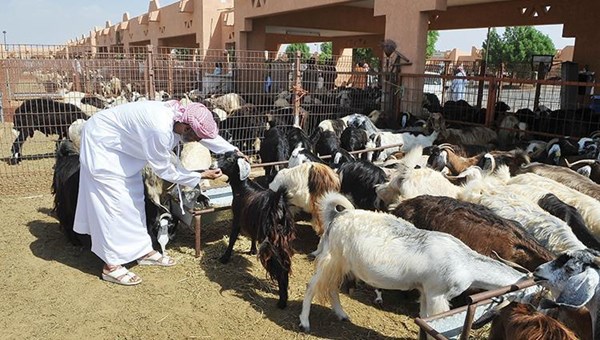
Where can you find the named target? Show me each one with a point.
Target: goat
(45, 115)
(389, 253)
(412, 180)
(296, 136)
(65, 187)
(327, 143)
(264, 216)
(551, 232)
(522, 321)
(479, 135)
(354, 139)
(565, 176)
(407, 139)
(588, 207)
(475, 225)
(359, 180)
(274, 148)
(572, 217)
(573, 280)
(305, 185)
(586, 167)
(301, 155)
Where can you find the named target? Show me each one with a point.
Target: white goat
(74, 132)
(551, 232)
(588, 207)
(389, 253)
(195, 156)
(411, 180)
(407, 139)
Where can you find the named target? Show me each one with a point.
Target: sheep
(263, 215)
(358, 180)
(196, 157)
(522, 321)
(573, 280)
(305, 185)
(565, 176)
(588, 207)
(479, 135)
(551, 232)
(45, 115)
(475, 225)
(389, 253)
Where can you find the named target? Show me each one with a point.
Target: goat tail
(321, 180)
(331, 205)
(275, 252)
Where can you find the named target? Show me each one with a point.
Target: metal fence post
(150, 68)
(491, 102)
(298, 90)
(170, 74)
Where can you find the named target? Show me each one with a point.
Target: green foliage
(326, 51)
(516, 47)
(432, 38)
(302, 47)
(366, 55)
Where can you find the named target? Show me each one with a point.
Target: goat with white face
(389, 253)
(573, 278)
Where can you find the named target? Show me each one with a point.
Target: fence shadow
(52, 245)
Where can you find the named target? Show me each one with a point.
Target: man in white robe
(116, 144)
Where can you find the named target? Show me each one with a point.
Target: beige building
(265, 24)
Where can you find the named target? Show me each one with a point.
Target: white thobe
(115, 145)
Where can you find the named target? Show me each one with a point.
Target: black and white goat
(573, 278)
(358, 180)
(264, 216)
(45, 115)
(389, 253)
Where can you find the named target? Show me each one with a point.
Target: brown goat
(521, 321)
(476, 226)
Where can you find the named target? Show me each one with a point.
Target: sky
(56, 21)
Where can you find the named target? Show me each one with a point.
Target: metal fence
(550, 108)
(267, 85)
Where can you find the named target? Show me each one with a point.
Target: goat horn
(512, 264)
(446, 146)
(595, 134)
(581, 161)
(596, 260)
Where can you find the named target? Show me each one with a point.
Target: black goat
(45, 115)
(264, 216)
(327, 144)
(358, 180)
(572, 217)
(274, 148)
(297, 136)
(354, 139)
(65, 187)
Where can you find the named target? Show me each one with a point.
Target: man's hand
(212, 173)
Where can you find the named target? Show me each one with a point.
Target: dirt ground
(52, 290)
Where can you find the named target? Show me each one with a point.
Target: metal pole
(5, 47)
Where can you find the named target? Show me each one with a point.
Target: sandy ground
(52, 290)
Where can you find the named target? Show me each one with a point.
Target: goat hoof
(281, 304)
(379, 302)
(304, 329)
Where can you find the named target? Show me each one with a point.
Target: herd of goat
(425, 206)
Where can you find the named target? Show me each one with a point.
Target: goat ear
(244, 168)
(579, 289)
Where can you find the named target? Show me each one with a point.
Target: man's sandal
(121, 276)
(157, 259)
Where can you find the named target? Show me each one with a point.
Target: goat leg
(235, 231)
(253, 250)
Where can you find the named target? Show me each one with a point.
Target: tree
(302, 47)
(365, 55)
(516, 47)
(432, 38)
(326, 51)
(520, 43)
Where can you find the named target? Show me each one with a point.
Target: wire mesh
(245, 89)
